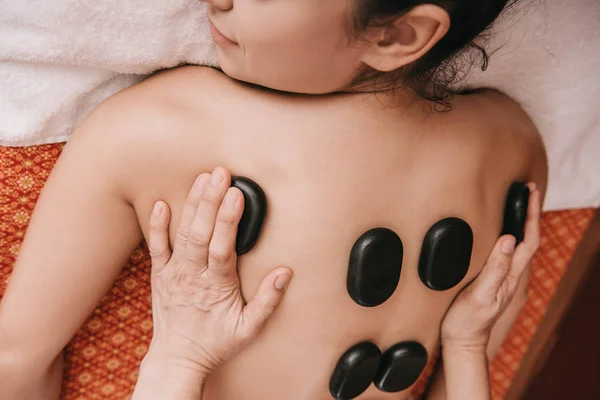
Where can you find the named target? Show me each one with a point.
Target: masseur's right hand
(200, 318)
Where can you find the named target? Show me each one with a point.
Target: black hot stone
(401, 366)
(515, 211)
(374, 268)
(255, 210)
(355, 371)
(446, 254)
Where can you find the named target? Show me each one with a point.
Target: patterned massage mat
(103, 358)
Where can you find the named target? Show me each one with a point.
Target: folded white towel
(549, 61)
(59, 59)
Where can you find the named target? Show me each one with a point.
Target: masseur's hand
(200, 318)
(472, 315)
(468, 323)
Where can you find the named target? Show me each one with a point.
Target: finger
(494, 272)
(531, 242)
(221, 251)
(158, 236)
(265, 301)
(203, 226)
(189, 212)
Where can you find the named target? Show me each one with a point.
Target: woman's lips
(219, 38)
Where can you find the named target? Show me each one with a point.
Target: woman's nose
(221, 5)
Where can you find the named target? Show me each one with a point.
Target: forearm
(160, 379)
(23, 379)
(437, 389)
(466, 373)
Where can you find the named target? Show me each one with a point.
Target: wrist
(472, 343)
(466, 347)
(165, 377)
(159, 361)
(160, 352)
(465, 372)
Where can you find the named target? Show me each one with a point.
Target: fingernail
(230, 198)
(216, 177)
(158, 209)
(532, 187)
(282, 281)
(508, 245)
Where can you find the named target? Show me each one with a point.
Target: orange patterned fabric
(103, 357)
(561, 234)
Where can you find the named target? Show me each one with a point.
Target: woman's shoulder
(169, 94)
(146, 128)
(492, 120)
(496, 112)
(161, 104)
(199, 86)
(512, 145)
(488, 141)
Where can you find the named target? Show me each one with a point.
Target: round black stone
(255, 210)
(515, 211)
(401, 366)
(355, 371)
(446, 254)
(374, 267)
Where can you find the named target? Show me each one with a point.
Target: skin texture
(332, 167)
(197, 330)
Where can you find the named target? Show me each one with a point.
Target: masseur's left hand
(467, 326)
(200, 318)
(471, 317)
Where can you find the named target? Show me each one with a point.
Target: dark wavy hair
(433, 75)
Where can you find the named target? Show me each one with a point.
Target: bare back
(332, 168)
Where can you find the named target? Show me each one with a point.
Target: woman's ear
(407, 38)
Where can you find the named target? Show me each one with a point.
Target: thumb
(265, 301)
(158, 236)
(486, 286)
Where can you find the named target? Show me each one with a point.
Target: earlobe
(407, 38)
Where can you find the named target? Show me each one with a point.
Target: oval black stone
(446, 254)
(355, 371)
(515, 211)
(374, 268)
(401, 366)
(255, 210)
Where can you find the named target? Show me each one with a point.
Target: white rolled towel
(61, 58)
(548, 59)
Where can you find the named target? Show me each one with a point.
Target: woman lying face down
(369, 155)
